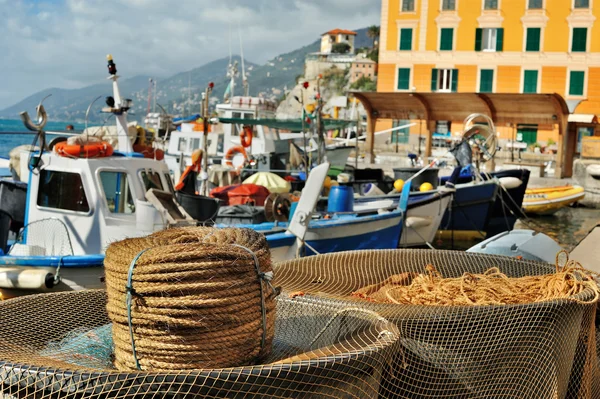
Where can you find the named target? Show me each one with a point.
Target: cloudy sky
(63, 43)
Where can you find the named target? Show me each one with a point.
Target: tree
(340, 48)
(364, 84)
(373, 33)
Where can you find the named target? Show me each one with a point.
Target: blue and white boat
(76, 206)
(308, 233)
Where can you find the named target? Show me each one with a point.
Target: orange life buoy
(91, 150)
(246, 136)
(238, 149)
(149, 152)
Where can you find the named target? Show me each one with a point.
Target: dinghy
(549, 200)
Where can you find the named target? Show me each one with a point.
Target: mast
(320, 138)
(155, 94)
(119, 107)
(205, 122)
(150, 81)
(244, 80)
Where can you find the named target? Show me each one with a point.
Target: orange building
(493, 46)
(363, 67)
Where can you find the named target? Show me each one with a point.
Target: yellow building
(499, 46)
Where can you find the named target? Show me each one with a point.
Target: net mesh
(328, 343)
(48, 237)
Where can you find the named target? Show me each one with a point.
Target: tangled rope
(490, 288)
(200, 299)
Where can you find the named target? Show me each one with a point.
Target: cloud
(63, 43)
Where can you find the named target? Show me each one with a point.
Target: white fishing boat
(82, 195)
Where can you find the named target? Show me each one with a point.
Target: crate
(590, 147)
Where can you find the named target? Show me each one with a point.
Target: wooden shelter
(502, 108)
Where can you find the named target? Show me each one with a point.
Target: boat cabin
(99, 200)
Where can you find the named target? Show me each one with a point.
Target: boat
(549, 200)
(524, 244)
(309, 232)
(506, 207)
(424, 213)
(75, 205)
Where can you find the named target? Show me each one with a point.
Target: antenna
(244, 80)
(189, 93)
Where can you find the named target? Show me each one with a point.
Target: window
(408, 5)
(535, 4)
(576, 83)
(486, 81)
(448, 5)
(579, 43)
(117, 192)
(490, 4)
(582, 4)
(533, 39)
(446, 39)
(151, 179)
(406, 35)
(444, 80)
(403, 78)
(401, 135)
(62, 190)
(170, 182)
(489, 39)
(530, 81)
(182, 144)
(527, 133)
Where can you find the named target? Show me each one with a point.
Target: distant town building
(494, 46)
(329, 39)
(363, 67)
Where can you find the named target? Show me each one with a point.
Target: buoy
(398, 184)
(426, 187)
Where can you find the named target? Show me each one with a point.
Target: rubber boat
(549, 200)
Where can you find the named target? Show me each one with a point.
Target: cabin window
(151, 179)
(170, 182)
(195, 144)
(183, 143)
(62, 190)
(117, 192)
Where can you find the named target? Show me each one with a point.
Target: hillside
(269, 80)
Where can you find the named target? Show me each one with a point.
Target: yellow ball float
(398, 184)
(426, 187)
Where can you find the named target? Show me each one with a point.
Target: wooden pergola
(502, 108)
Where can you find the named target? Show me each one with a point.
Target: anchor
(42, 119)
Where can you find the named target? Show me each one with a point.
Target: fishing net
(329, 343)
(541, 349)
(48, 237)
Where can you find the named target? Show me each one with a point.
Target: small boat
(309, 232)
(549, 200)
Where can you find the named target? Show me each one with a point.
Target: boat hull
(547, 201)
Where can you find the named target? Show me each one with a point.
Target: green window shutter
(582, 3)
(446, 38)
(434, 79)
(486, 81)
(454, 80)
(527, 133)
(499, 39)
(530, 80)
(406, 38)
(576, 83)
(579, 40)
(533, 39)
(478, 38)
(403, 78)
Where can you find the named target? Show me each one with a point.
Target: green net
(294, 125)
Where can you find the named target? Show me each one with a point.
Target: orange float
(246, 136)
(231, 153)
(149, 152)
(91, 150)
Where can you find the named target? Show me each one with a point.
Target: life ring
(92, 150)
(149, 152)
(232, 152)
(246, 136)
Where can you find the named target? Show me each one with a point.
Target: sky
(63, 43)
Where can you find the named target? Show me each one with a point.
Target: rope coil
(201, 298)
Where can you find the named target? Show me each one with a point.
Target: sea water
(13, 133)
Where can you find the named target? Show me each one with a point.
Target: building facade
(337, 36)
(362, 67)
(493, 46)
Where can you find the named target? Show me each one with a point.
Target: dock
(587, 252)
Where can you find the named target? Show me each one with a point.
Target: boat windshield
(151, 179)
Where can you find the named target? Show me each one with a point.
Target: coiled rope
(199, 298)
